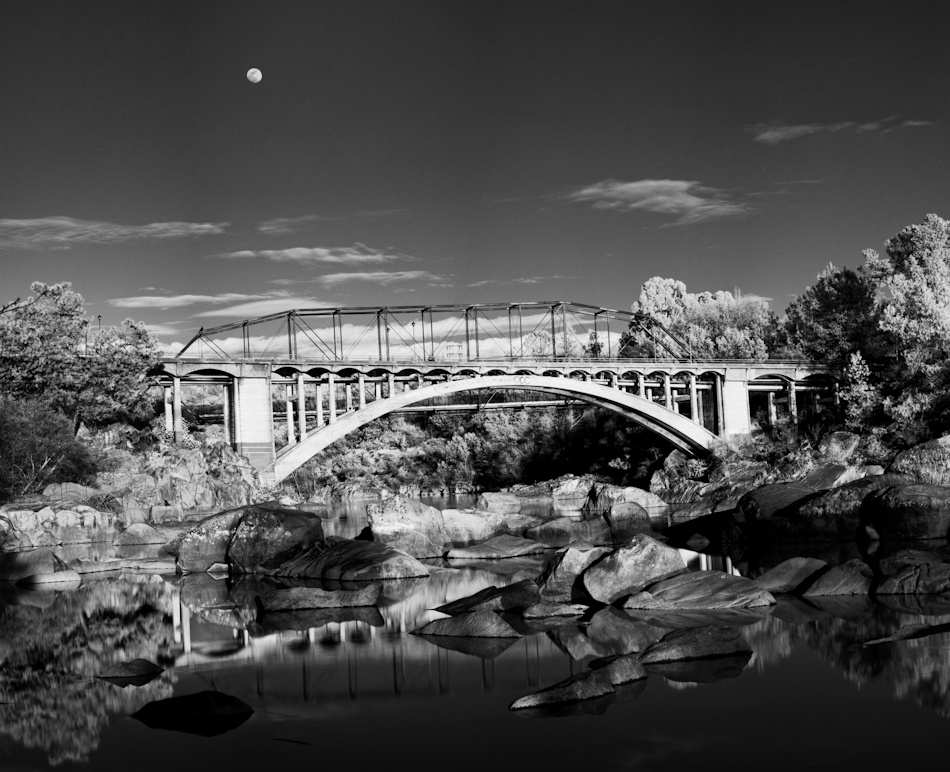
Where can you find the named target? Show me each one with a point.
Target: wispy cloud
(689, 201)
(183, 301)
(358, 254)
(64, 232)
(271, 305)
(776, 133)
(285, 226)
(521, 280)
(378, 277)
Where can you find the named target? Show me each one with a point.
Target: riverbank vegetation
(886, 323)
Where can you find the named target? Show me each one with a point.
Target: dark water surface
(358, 691)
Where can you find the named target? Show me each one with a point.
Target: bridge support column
(331, 401)
(178, 428)
(717, 402)
(348, 394)
(792, 405)
(226, 410)
(736, 426)
(169, 415)
(254, 415)
(391, 383)
(773, 412)
(319, 390)
(694, 400)
(668, 392)
(288, 397)
(361, 388)
(640, 390)
(377, 391)
(301, 407)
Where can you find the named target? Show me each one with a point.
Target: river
(358, 690)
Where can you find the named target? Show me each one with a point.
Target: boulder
(630, 568)
(833, 515)
(61, 524)
(351, 559)
(138, 672)
(513, 596)
(497, 548)
(69, 491)
(914, 576)
(700, 590)
(563, 531)
(297, 598)
(604, 495)
(409, 526)
(838, 447)
(696, 643)
(908, 512)
(15, 566)
(588, 685)
(767, 501)
(613, 631)
(627, 519)
(571, 492)
(853, 577)
(547, 609)
(474, 624)
(558, 581)
(927, 463)
(138, 533)
(206, 543)
(621, 668)
(469, 526)
(499, 503)
(790, 575)
(828, 475)
(266, 537)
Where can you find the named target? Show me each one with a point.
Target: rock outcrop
(628, 569)
(409, 526)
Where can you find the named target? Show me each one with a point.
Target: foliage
(38, 447)
(49, 352)
(713, 325)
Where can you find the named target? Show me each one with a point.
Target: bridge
(295, 382)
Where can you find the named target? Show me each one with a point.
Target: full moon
(254, 75)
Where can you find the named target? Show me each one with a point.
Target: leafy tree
(48, 352)
(713, 325)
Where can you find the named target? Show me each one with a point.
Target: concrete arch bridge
(281, 408)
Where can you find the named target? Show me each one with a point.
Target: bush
(38, 447)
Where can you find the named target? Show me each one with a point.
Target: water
(363, 692)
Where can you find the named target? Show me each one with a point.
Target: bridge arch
(682, 432)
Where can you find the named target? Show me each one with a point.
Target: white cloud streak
(776, 133)
(65, 232)
(358, 254)
(377, 277)
(286, 226)
(687, 200)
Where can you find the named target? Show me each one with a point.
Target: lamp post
(413, 341)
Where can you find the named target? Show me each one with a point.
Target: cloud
(286, 226)
(521, 280)
(378, 277)
(182, 301)
(689, 201)
(64, 232)
(776, 133)
(270, 305)
(358, 254)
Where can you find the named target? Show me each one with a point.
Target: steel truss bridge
(295, 382)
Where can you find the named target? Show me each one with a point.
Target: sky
(425, 151)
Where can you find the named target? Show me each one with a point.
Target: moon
(254, 75)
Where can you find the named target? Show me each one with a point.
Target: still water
(355, 689)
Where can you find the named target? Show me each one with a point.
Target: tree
(49, 353)
(713, 325)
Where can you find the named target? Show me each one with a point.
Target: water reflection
(303, 665)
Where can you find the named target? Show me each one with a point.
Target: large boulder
(828, 475)
(696, 643)
(567, 530)
(409, 526)
(498, 548)
(571, 492)
(468, 526)
(296, 598)
(700, 590)
(591, 684)
(559, 579)
(834, 515)
(62, 523)
(69, 491)
(767, 501)
(838, 447)
(16, 566)
(206, 543)
(352, 559)
(630, 568)
(603, 496)
(853, 577)
(626, 519)
(790, 575)
(138, 533)
(499, 503)
(914, 572)
(474, 624)
(927, 463)
(519, 595)
(266, 537)
(908, 512)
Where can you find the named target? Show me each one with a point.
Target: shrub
(38, 447)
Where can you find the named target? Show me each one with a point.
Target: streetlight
(413, 341)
